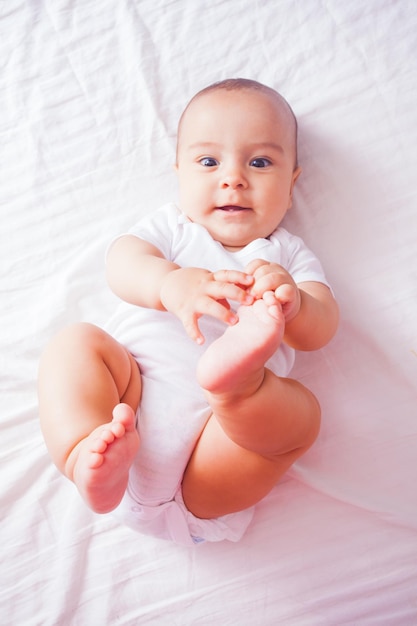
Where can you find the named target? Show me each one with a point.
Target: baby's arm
(310, 310)
(135, 270)
(317, 319)
(138, 273)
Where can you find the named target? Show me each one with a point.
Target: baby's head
(237, 160)
(241, 85)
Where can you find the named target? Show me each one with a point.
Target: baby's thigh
(84, 367)
(223, 478)
(109, 363)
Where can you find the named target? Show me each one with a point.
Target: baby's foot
(103, 460)
(244, 348)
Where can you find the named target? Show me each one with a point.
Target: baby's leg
(89, 390)
(242, 351)
(261, 423)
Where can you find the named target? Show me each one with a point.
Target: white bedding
(90, 94)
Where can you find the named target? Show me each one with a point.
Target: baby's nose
(234, 178)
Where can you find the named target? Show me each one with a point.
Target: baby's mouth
(232, 208)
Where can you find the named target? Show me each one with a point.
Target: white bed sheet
(90, 94)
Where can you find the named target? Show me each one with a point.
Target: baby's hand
(273, 277)
(192, 292)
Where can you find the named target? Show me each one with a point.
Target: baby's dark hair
(242, 84)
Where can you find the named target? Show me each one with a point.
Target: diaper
(174, 522)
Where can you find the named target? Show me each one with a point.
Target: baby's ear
(295, 175)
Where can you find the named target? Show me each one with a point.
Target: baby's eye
(208, 162)
(260, 162)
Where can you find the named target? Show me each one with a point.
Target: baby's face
(236, 165)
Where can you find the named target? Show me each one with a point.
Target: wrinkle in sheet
(82, 86)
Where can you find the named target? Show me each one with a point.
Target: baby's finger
(219, 309)
(255, 265)
(289, 298)
(216, 308)
(274, 307)
(285, 293)
(267, 282)
(220, 291)
(207, 306)
(234, 277)
(193, 330)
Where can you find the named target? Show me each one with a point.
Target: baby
(181, 417)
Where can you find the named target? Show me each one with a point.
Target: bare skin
(247, 401)
(236, 164)
(244, 348)
(260, 424)
(103, 460)
(89, 390)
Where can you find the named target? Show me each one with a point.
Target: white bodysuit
(173, 410)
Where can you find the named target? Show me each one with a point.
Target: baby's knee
(83, 332)
(78, 335)
(312, 422)
(72, 340)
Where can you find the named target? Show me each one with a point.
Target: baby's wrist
(168, 289)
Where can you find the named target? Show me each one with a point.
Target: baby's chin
(234, 245)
